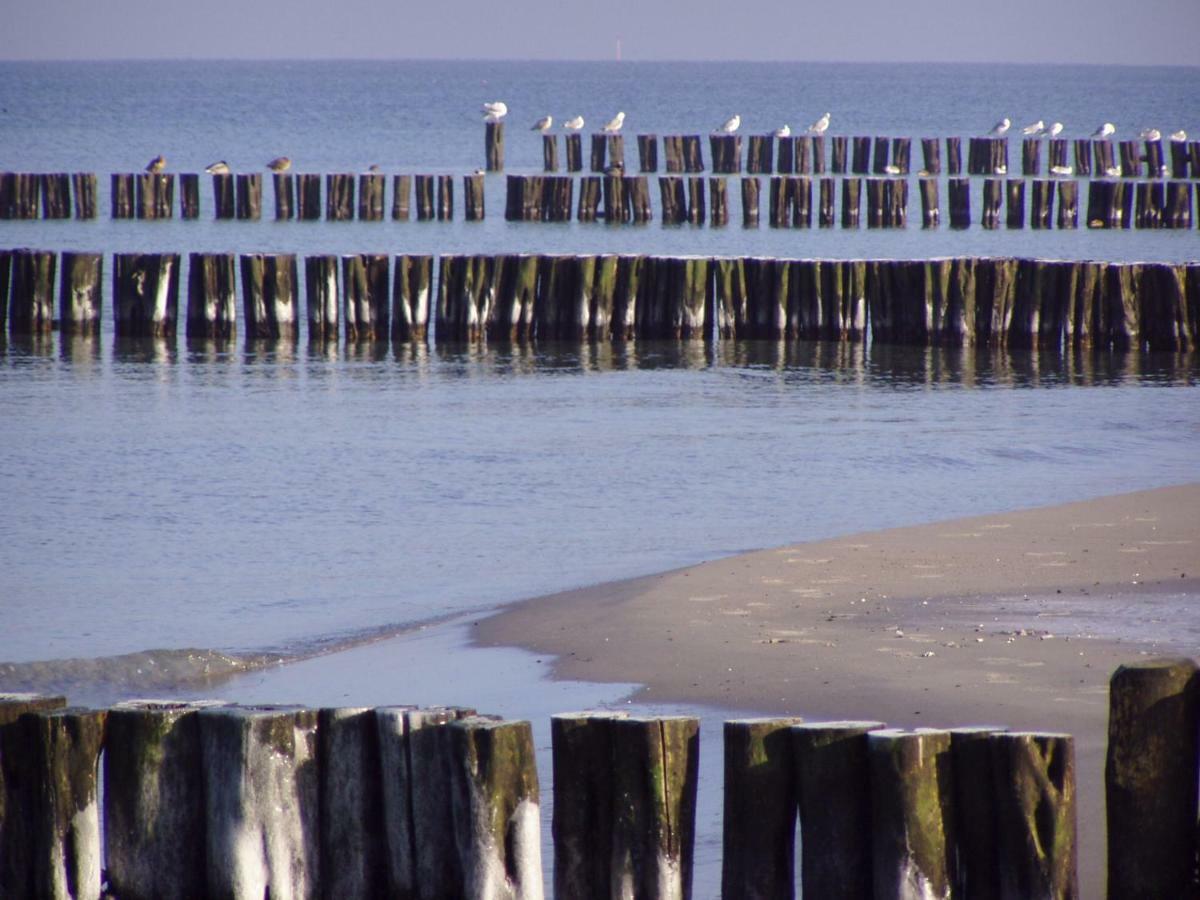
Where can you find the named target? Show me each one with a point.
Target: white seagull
(574, 124)
(615, 125)
(543, 124)
(731, 125)
(1150, 134)
(1108, 129)
(821, 125)
(1055, 129)
(1180, 135)
(220, 167)
(785, 131)
(494, 111)
(1113, 171)
(1035, 129)
(1061, 170)
(1001, 127)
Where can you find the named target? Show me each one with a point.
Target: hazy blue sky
(1147, 32)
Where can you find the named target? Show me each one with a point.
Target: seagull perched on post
(1055, 129)
(220, 167)
(543, 124)
(1035, 129)
(1001, 127)
(575, 124)
(157, 164)
(1108, 129)
(279, 164)
(1180, 135)
(494, 111)
(1150, 134)
(731, 125)
(821, 125)
(785, 131)
(615, 125)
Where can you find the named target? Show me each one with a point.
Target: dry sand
(1016, 619)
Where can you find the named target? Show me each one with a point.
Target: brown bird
(279, 164)
(157, 164)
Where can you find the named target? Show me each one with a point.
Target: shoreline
(981, 620)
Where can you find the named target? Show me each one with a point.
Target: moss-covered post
(308, 197)
(1151, 778)
(366, 296)
(759, 820)
(912, 813)
(412, 286)
(269, 296)
(494, 796)
(656, 762)
(1035, 815)
(322, 298)
(750, 194)
(351, 812)
(212, 296)
(975, 786)
(31, 303)
(493, 146)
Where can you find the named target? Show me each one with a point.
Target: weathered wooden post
(371, 187)
(1058, 151)
(874, 202)
(423, 189)
(901, 155)
(493, 146)
(1083, 157)
(1068, 204)
(145, 293)
(83, 185)
(802, 154)
(953, 156)
(550, 152)
(154, 800)
(5, 278)
(838, 153)
(718, 191)
(322, 299)
(352, 851)
(1100, 208)
(1130, 157)
(993, 197)
(833, 789)
(726, 152)
(1035, 814)
(50, 817)
(494, 792)
(339, 197)
(260, 801)
(212, 295)
(750, 194)
(516, 204)
(1104, 158)
(655, 761)
(608, 150)
(696, 207)
(960, 202)
(573, 144)
(977, 156)
(879, 156)
(785, 157)
(647, 152)
(285, 195)
(224, 206)
(860, 155)
(616, 201)
(693, 153)
(365, 296)
(308, 197)
(473, 206)
(912, 813)
(411, 288)
(759, 820)
(1041, 206)
(249, 195)
(801, 197)
(155, 195)
(27, 195)
(589, 198)
(189, 195)
(930, 210)
(7, 189)
(79, 293)
(673, 153)
(637, 193)
(1155, 167)
(1031, 156)
(827, 214)
(1015, 203)
(31, 304)
(121, 195)
(1149, 203)
(672, 199)
(269, 299)
(760, 154)
(780, 200)
(851, 203)
(56, 195)
(818, 154)
(975, 787)
(445, 198)
(895, 196)
(401, 192)
(1151, 778)
(1179, 160)
(931, 154)
(1178, 212)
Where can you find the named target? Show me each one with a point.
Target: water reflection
(145, 351)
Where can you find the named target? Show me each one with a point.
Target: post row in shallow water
(962, 301)
(209, 799)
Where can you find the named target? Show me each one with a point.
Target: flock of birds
(496, 110)
(1106, 130)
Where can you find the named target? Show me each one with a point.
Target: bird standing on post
(785, 131)
(1001, 127)
(615, 125)
(494, 111)
(1108, 129)
(1035, 129)
(1055, 129)
(279, 164)
(157, 164)
(731, 125)
(821, 125)
(218, 168)
(543, 124)
(575, 124)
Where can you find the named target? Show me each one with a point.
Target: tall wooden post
(750, 194)
(493, 146)
(308, 197)
(31, 303)
(339, 198)
(249, 195)
(550, 152)
(83, 185)
(573, 144)
(412, 287)
(322, 298)
(212, 295)
(189, 195)
(352, 850)
(366, 296)
(269, 301)
(79, 295)
(401, 192)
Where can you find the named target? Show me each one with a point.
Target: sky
(1149, 32)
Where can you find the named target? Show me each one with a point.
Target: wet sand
(1016, 619)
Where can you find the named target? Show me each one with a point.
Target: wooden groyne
(203, 798)
(956, 301)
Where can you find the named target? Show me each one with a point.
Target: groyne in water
(957, 302)
(202, 798)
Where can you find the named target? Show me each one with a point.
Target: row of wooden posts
(815, 154)
(959, 301)
(204, 799)
(618, 198)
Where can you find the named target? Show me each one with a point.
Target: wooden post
(438, 867)
(975, 788)
(1100, 204)
(827, 215)
(931, 154)
(1179, 161)
(895, 195)
(322, 298)
(1149, 204)
(50, 824)
(1041, 207)
(145, 293)
(392, 723)
(31, 304)
(603, 297)
(1058, 152)
(599, 153)
(5, 279)
(673, 199)
(750, 194)
(445, 198)
(879, 156)
(1194, 157)
(189, 195)
(693, 153)
(83, 186)
(696, 206)
(874, 202)
(1068, 204)
(953, 156)
(122, 196)
(726, 153)
(833, 789)
(759, 820)
(573, 143)
(655, 761)
(589, 198)
(371, 187)
(785, 160)
(154, 800)
(860, 161)
(993, 197)
(493, 146)
(1035, 814)
(339, 198)
(424, 197)
(838, 152)
(616, 201)
(261, 801)
(913, 827)
(56, 196)
(515, 305)
(1105, 159)
(902, 154)
(473, 207)
(285, 195)
(760, 154)
(1129, 154)
(352, 850)
(494, 792)
(1031, 156)
(718, 191)
(803, 155)
(1015, 202)
(801, 197)
(212, 296)
(851, 204)
(249, 195)
(27, 196)
(79, 299)
(637, 194)
(308, 197)
(1151, 778)
(647, 152)
(1083, 157)
(269, 296)
(550, 152)
(155, 195)
(365, 296)
(960, 202)
(673, 153)
(780, 200)
(818, 154)
(401, 192)
(8, 182)
(930, 210)
(1178, 211)
(517, 206)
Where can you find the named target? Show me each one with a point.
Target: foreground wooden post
(913, 830)
(411, 290)
(322, 299)
(1151, 778)
(121, 196)
(493, 146)
(494, 792)
(351, 812)
(261, 801)
(145, 292)
(396, 789)
(975, 787)
(1035, 815)
(366, 296)
(50, 760)
(31, 304)
(212, 295)
(154, 800)
(758, 849)
(269, 296)
(249, 195)
(79, 293)
(655, 761)
(438, 870)
(833, 788)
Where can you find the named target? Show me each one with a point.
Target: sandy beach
(1015, 619)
